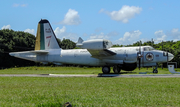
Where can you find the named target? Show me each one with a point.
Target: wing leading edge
(101, 53)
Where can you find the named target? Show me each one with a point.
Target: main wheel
(116, 69)
(106, 69)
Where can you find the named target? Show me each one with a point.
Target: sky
(122, 22)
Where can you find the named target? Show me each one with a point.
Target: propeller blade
(167, 57)
(139, 63)
(139, 55)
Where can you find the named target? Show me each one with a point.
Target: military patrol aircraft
(97, 52)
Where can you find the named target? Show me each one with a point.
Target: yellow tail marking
(37, 45)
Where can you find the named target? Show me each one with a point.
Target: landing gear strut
(106, 69)
(155, 69)
(116, 69)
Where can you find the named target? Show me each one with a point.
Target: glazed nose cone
(170, 56)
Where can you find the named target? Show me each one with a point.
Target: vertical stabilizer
(79, 43)
(45, 37)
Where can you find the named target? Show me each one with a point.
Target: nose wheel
(106, 69)
(155, 69)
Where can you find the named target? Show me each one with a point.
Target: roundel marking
(149, 56)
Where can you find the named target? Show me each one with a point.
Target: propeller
(165, 53)
(139, 55)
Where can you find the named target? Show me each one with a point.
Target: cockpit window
(151, 48)
(148, 48)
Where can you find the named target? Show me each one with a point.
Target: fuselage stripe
(42, 37)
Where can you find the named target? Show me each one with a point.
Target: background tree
(67, 44)
(13, 41)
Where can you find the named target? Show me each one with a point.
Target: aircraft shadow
(114, 74)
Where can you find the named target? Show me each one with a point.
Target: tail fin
(79, 43)
(45, 37)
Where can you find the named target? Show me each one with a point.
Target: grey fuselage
(124, 55)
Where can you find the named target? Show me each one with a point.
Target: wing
(101, 53)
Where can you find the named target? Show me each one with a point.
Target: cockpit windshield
(149, 48)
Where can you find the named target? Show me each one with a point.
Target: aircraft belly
(149, 64)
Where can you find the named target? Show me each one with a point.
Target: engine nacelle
(95, 44)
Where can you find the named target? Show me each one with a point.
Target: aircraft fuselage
(124, 55)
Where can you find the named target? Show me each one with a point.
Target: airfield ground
(83, 91)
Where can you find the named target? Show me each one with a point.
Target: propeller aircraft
(96, 52)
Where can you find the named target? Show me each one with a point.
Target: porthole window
(149, 56)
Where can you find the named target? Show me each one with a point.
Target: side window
(146, 49)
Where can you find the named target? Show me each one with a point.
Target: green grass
(51, 70)
(71, 70)
(86, 91)
(89, 92)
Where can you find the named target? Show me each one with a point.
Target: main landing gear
(116, 69)
(107, 69)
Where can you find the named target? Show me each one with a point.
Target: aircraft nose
(170, 56)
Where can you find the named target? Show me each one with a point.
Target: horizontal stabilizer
(17, 54)
(40, 52)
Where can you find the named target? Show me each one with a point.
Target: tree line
(15, 41)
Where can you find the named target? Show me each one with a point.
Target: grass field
(92, 92)
(84, 91)
(71, 70)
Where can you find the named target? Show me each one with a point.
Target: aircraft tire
(155, 71)
(116, 69)
(106, 69)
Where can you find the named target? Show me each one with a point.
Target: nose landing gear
(155, 69)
